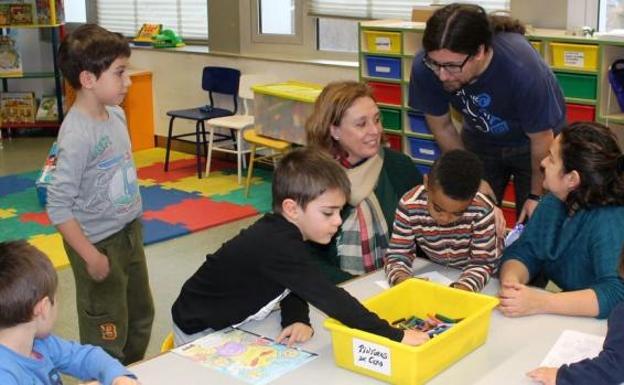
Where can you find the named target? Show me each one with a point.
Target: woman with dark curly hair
(576, 233)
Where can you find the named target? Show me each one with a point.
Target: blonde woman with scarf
(346, 123)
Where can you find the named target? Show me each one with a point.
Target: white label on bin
(372, 356)
(426, 151)
(574, 58)
(382, 69)
(382, 43)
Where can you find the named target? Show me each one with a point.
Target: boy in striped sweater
(448, 221)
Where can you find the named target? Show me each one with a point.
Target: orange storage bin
(580, 112)
(387, 93)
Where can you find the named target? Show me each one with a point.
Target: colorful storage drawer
(579, 112)
(424, 149)
(577, 56)
(395, 142)
(387, 93)
(384, 67)
(577, 85)
(418, 123)
(398, 363)
(391, 119)
(383, 42)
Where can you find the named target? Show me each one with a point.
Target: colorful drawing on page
(245, 355)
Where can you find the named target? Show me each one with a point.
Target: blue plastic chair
(218, 80)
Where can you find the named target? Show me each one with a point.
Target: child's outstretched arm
(414, 337)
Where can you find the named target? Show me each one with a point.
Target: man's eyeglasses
(451, 68)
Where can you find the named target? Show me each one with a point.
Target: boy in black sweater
(271, 262)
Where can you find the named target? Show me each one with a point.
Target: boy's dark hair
(90, 48)
(463, 28)
(592, 150)
(458, 173)
(304, 174)
(26, 277)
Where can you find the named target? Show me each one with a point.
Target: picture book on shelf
(146, 33)
(17, 107)
(5, 14)
(21, 13)
(48, 109)
(10, 58)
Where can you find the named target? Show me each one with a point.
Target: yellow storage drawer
(537, 45)
(575, 56)
(383, 42)
(398, 363)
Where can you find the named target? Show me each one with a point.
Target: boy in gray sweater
(94, 199)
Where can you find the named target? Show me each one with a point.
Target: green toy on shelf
(167, 39)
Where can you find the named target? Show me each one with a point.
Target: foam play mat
(175, 203)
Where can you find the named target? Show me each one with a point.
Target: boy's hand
(98, 266)
(400, 277)
(547, 376)
(518, 300)
(295, 333)
(124, 380)
(414, 337)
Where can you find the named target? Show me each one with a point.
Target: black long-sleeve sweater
(254, 268)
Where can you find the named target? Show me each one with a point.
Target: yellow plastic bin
(576, 56)
(383, 42)
(398, 363)
(281, 109)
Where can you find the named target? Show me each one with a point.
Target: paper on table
(573, 346)
(432, 276)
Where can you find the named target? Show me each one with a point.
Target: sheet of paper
(432, 276)
(245, 355)
(573, 346)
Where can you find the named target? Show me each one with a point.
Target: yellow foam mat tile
(7, 213)
(215, 183)
(52, 246)
(150, 156)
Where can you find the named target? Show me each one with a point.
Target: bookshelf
(35, 14)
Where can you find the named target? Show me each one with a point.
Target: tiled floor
(170, 263)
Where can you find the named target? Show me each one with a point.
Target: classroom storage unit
(397, 363)
(580, 65)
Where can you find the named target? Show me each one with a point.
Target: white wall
(177, 77)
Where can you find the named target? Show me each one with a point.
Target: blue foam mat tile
(155, 230)
(156, 198)
(11, 184)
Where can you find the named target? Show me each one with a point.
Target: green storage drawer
(391, 119)
(580, 86)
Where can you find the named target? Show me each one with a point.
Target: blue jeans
(500, 164)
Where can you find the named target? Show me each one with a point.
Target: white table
(513, 347)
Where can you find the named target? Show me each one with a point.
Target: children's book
(245, 355)
(17, 107)
(43, 12)
(10, 58)
(146, 34)
(5, 14)
(48, 109)
(21, 13)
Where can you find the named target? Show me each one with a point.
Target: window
(383, 9)
(277, 21)
(188, 18)
(340, 35)
(611, 15)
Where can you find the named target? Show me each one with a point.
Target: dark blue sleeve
(608, 367)
(425, 90)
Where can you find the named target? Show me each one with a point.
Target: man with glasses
(510, 100)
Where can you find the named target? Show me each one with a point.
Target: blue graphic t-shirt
(515, 95)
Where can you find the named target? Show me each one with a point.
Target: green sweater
(398, 175)
(577, 252)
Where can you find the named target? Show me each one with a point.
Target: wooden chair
(258, 142)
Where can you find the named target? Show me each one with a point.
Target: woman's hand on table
(518, 300)
(544, 375)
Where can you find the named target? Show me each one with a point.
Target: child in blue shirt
(29, 354)
(606, 369)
